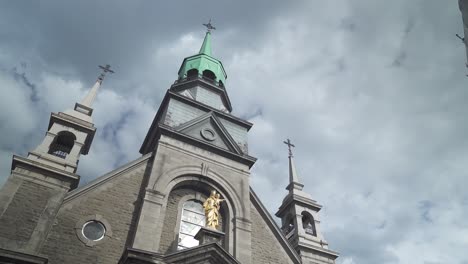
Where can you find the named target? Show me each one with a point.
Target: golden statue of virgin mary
(211, 206)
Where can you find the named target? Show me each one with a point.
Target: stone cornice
(169, 131)
(10, 256)
(318, 250)
(151, 136)
(207, 253)
(49, 171)
(208, 108)
(189, 83)
(299, 200)
(75, 123)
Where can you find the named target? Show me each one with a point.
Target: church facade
(151, 210)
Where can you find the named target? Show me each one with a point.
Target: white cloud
(372, 93)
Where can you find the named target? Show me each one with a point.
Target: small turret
(300, 219)
(70, 133)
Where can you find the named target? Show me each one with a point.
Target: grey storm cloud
(373, 94)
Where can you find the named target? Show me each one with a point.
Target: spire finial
(294, 183)
(105, 69)
(209, 27)
(290, 146)
(206, 46)
(89, 99)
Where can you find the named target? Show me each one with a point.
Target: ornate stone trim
(79, 229)
(10, 256)
(208, 134)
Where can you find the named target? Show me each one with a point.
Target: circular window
(94, 230)
(208, 134)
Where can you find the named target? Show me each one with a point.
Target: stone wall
(117, 201)
(265, 247)
(20, 218)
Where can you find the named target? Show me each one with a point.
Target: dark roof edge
(230, 117)
(244, 159)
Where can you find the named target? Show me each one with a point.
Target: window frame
(202, 213)
(89, 218)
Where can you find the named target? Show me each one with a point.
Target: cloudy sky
(372, 92)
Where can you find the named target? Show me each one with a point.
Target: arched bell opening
(192, 74)
(62, 144)
(308, 224)
(207, 74)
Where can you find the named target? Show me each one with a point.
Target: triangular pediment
(207, 128)
(208, 254)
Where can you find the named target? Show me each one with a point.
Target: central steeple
(197, 105)
(195, 135)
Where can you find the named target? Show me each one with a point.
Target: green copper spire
(206, 46)
(203, 62)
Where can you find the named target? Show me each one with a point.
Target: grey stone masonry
(179, 165)
(207, 235)
(116, 198)
(29, 201)
(23, 213)
(265, 247)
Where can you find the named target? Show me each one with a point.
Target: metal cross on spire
(209, 27)
(105, 69)
(290, 146)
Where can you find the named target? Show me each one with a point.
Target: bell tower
(300, 221)
(69, 134)
(33, 193)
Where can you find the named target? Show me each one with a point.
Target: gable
(238, 133)
(209, 129)
(115, 198)
(208, 253)
(268, 243)
(211, 253)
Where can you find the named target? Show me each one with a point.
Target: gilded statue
(211, 206)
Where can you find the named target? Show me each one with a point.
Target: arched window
(308, 224)
(209, 75)
(193, 218)
(63, 144)
(193, 73)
